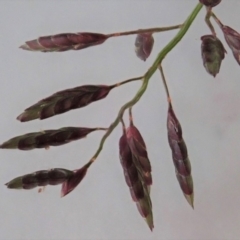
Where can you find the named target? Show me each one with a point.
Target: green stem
(148, 75)
(130, 117)
(208, 22)
(165, 83)
(146, 30)
(217, 20)
(127, 81)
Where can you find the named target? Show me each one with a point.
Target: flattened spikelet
(134, 177)
(64, 101)
(40, 178)
(47, 138)
(73, 181)
(64, 42)
(213, 53)
(232, 38)
(139, 150)
(143, 45)
(180, 156)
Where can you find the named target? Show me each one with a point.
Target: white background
(101, 207)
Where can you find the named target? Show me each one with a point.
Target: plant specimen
(132, 148)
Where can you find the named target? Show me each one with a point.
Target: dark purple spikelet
(213, 53)
(74, 180)
(232, 38)
(210, 3)
(180, 156)
(40, 178)
(143, 45)
(64, 101)
(129, 168)
(139, 150)
(47, 138)
(134, 177)
(65, 41)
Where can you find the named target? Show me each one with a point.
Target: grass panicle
(132, 148)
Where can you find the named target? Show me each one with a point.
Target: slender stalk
(130, 116)
(127, 81)
(165, 84)
(123, 124)
(217, 20)
(208, 22)
(100, 128)
(87, 165)
(146, 30)
(148, 75)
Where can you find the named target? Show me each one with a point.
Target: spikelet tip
(190, 199)
(25, 47)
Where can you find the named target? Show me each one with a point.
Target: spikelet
(139, 150)
(210, 3)
(143, 45)
(65, 41)
(232, 38)
(64, 101)
(40, 178)
(213, 53)
(180, 156)
(134, 176)
(47, 138)
(73, 181)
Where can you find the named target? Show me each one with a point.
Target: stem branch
(165, 83)
(208, 22)
(146, 30)
(148, 75)
(217, 20)
(127, 81)
(130, 116)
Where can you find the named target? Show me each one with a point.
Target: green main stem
(148, 75)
